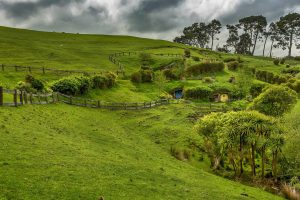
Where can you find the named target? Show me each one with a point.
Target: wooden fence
(114, 58)
(18, 98)
(43, 70)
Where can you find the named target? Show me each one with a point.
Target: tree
(274, 36)
(243, 82)
(233, 38)
(275, 101)
(194, 35)
(289, 28)
(244, 44)
(254, 26)
(213, 28)
(266, 35)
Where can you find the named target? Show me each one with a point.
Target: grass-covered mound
(62, 152)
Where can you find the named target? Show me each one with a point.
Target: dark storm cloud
(153, 15)
(24, 10)
(272, 9)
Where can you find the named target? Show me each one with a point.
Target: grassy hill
(64, 152)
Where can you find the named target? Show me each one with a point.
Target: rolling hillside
(64, 152)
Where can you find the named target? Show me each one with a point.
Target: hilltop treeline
(244, 36)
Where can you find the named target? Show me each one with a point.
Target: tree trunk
(241, 156)
(266, 39)
(255, 41)
(253, 159)
(263, 158)
(271, 50)
(274, 164)
(291, 45)
(212, 42)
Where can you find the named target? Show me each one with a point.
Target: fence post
(16, 68)
(16, 98)
(71, 101)
(21, 97)
(98, 103)
(39, 98)
(29, 69)
(43, 70)
(1, 96)
(25, 98)
(2, 66)
(85, 103)
(150, 104)
(57, 97)
(30, 98)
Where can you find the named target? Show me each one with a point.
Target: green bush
(206, 67)
(68, 85)
(171, 74)
(29, 78)
(196, 58)
(147, 76)
(282, 61)
(276, 61)
(291, 70)
(200, 92)
(136, 77)
(229, 60)
(37, 84)
(208, 80)
(25, 86)
(102, 81)
(187, 53)
(84, 84)
(257, 88)
(234, 65)
(145, 59)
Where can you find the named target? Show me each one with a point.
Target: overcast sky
(162, 19)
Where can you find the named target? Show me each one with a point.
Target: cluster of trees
(244, 36)
(249, 138)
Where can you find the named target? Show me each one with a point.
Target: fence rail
(114, 58)
(19, 98)
(44, 70)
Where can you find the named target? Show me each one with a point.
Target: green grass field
(64, 152)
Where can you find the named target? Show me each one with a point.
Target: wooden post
(144, 104)
(16, 98)
(2, 66)
(21, 97)
(39, 98)
(99, 104)
(85, 103)
(136, 106)
(43, 70)
(25, 98)
(71, 101)
(30, 98)
(46, 98)
(150, 104)
(1, 96)
(57, 97)
(16, 68)
(29, 69)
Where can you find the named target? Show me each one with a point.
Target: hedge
(206, 67)
(200, 92)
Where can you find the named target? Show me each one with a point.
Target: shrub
(170, 74)
(256, 89)
(229, 60)
(200, 92)
(234, 65)
(29, 78)
(25, 86)
(180, 154)
(196, 58)
(287, 66)
(136, 77)
(206, 67)
(208, 80)
(102, 81)
(68, 85)
(276, 61)
(37, 84)
(187, 53)
(282, 61)
(147, 76)
(145, 59)
(291, 70)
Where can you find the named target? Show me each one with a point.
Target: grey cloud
(24, 10)
(153, 16)
(272, 9)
